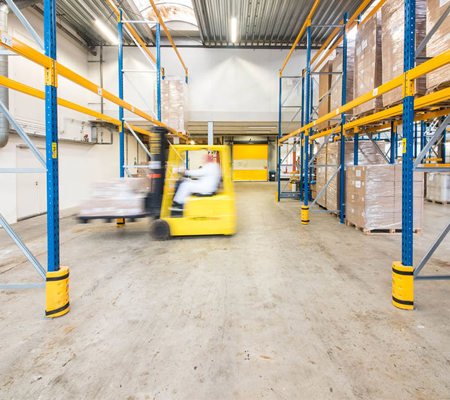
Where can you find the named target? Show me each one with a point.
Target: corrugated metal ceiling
(261, 23)
(267, 23)
(80, 16)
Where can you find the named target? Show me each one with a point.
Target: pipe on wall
(4, 94)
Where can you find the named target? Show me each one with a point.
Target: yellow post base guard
(120, 222)
(402, 286)
(57, 293)
(305, 215)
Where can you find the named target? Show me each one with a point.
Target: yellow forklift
(210, 214)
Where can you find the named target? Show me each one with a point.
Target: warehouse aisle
(279, 311)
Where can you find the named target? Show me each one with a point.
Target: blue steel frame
(302, 151)
(158, 69)
(51, 139)
(279, 137)
(393, 143)
(344, 100)
(307, 114)
(408, 136)
(122, 126)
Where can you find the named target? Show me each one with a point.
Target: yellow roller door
(250, 162)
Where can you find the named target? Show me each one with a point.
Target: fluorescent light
(233, 30)
(107, 32)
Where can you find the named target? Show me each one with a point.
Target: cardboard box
(324, 87)
(117, 197)
(374, 197)
(368, 63)
(439, 43)
(336, 66)
(392, 40)
(330, 155)
(438, 187)
(321, 176)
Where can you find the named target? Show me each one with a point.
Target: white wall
(224, 84)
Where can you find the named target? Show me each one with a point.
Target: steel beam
(25, 23)
(122, 125)
(138, 140)
(21, 245)
(431, 250)
(432, 141)
(408, 133)
(51, 137)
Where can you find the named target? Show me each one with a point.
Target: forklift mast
(158, 169)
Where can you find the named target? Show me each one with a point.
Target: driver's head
(209, 158)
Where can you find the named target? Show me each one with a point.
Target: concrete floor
(279, 311)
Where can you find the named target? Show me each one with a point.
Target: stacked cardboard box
(330, 155)
(321, 176)
(324, 87)
(438, 44)
(173, 102)
(368, 63)
(336, 66)
(438, 187)
(118, 197)
(392, 40)
(374, 197)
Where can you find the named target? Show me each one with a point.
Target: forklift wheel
(160, 230)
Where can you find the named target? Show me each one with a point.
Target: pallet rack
(50, 164)
(412, 112)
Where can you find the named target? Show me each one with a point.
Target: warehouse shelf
(52, 69)
(412, 113)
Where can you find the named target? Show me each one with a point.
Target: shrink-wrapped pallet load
(438, 187)
(392, 40)
(321, 176)
(368, 63)
(336, 80)
(330, 155)
(123, 197)
(324, 96)
(374, 197)
(173, 103)
(438, 44)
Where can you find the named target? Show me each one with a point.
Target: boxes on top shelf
(392, 40)
(438, 43)
(368, 63)
(336, 66)
(173, 102)
(324, 87)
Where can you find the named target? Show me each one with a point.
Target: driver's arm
(195, 173)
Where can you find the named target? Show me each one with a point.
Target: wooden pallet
(390, 231)
(444, 203)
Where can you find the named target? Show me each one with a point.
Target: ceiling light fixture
(233, 30)
(107, 33)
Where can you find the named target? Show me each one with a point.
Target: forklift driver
(206, 183)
